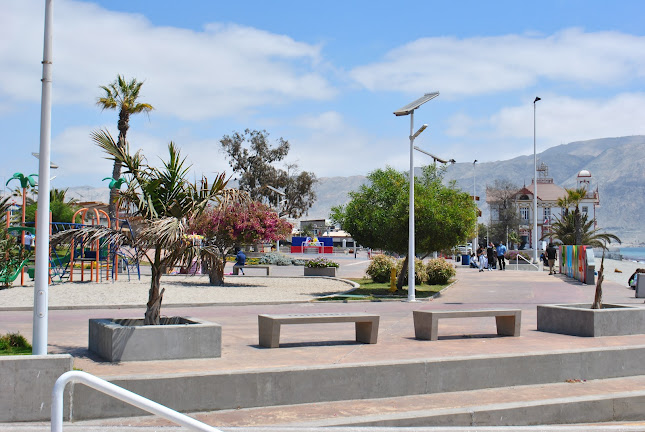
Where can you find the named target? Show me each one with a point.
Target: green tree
(163, 201)
(573, 198)
(62, 210)
(257, 174)
(123, 96)
(377, 214)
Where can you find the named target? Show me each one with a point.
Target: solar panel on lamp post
(409, 110)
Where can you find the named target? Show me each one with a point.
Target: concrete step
(597, 401)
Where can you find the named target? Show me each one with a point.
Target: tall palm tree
(122, 95)
(566, 230)
(163, 201)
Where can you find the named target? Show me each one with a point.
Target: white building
(548, 210)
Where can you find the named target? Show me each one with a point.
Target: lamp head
(537, 99)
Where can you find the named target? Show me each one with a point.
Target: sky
(326, 76)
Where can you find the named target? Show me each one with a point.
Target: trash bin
(465, 260)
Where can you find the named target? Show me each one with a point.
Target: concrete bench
(269, 325)
(236, 268)
(426, 323)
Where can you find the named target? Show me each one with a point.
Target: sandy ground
(180, 290)
(619, 271)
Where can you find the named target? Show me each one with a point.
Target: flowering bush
(321, 263)
(440, 271)
(512, 255)
(380, 268)
(420, 273)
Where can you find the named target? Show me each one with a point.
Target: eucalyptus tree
(123, 96)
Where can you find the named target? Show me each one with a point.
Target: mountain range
(617, 166)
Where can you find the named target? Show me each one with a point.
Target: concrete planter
(581, 320)
(176, 338)
(320, 271)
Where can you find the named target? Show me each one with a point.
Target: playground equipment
(317, 245)
(25, 182)
(91, 252)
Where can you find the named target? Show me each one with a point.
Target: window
(524, 213)
(547, 215)
(585, 209)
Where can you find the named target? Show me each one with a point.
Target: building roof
(548, 191)
(584, 173)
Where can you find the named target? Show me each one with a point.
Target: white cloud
(559, 120)
(484, 65)
(223, 70)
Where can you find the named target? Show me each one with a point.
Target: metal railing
(517, 262)
(118, 393)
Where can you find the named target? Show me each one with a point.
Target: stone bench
(426, 323)
(269, 325)
(236, 268)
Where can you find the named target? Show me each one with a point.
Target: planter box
(320, 271)
(581, 320)
(176, 338)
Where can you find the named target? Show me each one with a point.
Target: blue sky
(326, 76)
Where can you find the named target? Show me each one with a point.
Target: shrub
(14, 343)
(275, 258)
(380, 268)
(298, 262)
(511, 255)
(440, 271)
(321, 263)
(420, 273)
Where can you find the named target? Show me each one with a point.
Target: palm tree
(122, 95)
(573, 198)
(163, 201)
(577, 229)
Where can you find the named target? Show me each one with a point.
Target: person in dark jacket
(490, 255)
(240, 260)
(551, 255)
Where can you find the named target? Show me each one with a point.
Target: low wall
(26, 384)
(271, 387)
(578, 262)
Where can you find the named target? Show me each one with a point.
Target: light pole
(409, 109)
(476, 244)
(535, 233)
(41, 285)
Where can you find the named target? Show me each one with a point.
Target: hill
(617, 166)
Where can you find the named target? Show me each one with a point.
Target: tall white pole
(411, 274)
(476, 244)
(41, 287)
(535, 215)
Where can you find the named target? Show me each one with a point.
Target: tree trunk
(577, 227)
(216, 271)
(123, 126)
(404, 272)
(155, 296)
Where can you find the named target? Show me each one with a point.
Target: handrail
(118, 393)
(518, 256)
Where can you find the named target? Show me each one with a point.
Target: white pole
(535, 233)
(411, 293)
(476, 244)
(41, 287)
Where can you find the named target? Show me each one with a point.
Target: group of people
(490, 257)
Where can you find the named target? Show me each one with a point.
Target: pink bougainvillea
(224, 227)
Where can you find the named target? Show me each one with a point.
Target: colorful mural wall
(574, 261)
(316, 245)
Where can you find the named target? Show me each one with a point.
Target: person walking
(551, 255)
(490, 256)
(481, 257)
(501, 252)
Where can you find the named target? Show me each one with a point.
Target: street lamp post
(476, 243)
(41, 285)
(409, 109)
(535, 216)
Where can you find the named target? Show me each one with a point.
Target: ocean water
(633, 253)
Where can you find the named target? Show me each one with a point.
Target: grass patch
(375, 291)
(14, 344)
